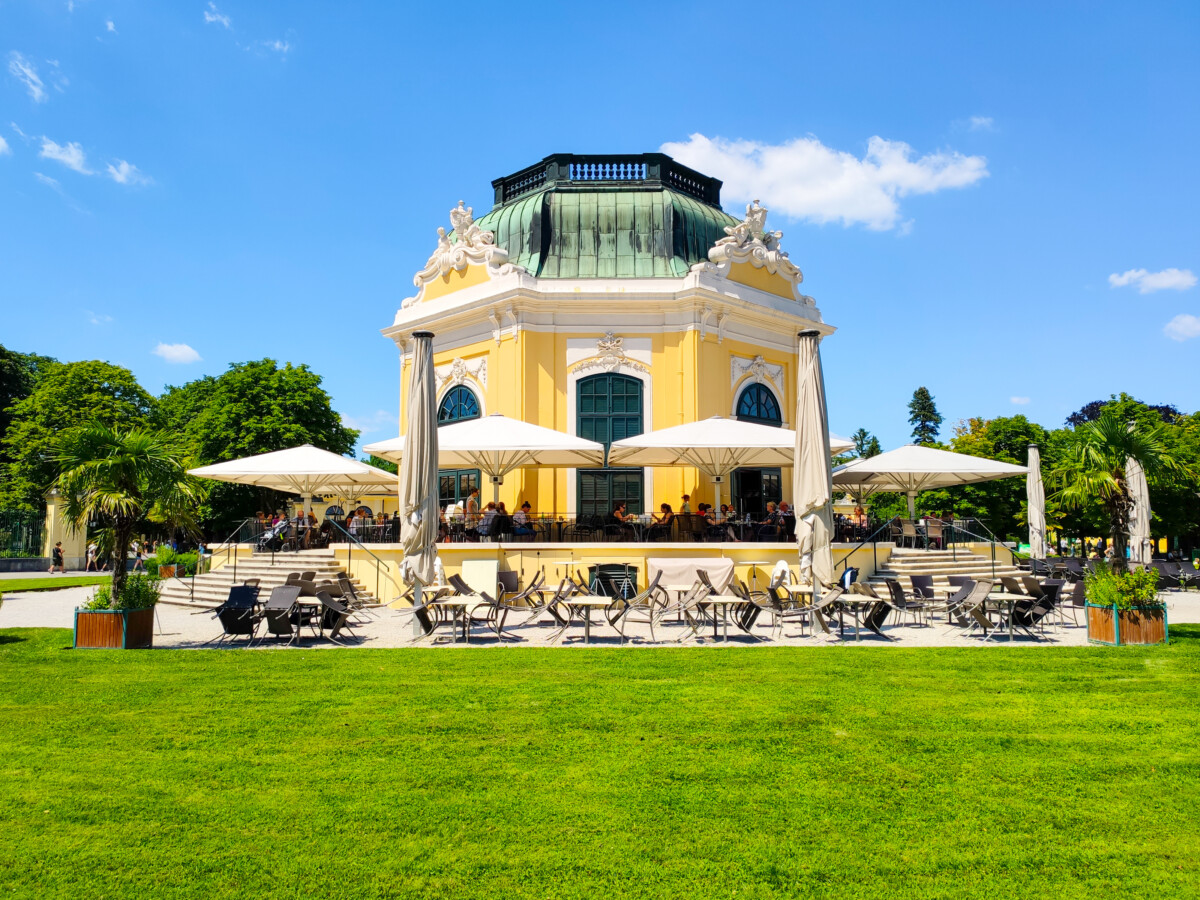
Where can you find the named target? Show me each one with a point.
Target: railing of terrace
(381, 567)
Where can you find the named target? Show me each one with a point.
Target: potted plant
(122, 622)
(1123, 607)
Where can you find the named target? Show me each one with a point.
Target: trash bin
(626, 577)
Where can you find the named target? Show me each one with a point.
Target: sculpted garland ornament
(471, 246)
(750, 242)
(610, 356)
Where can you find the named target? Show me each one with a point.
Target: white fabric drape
(812, 487)
(418, 469)
(1140, 548)
(1035, 494)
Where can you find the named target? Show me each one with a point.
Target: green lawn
(12, 585)
(832, 772)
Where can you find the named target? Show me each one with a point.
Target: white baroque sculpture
(759, 370)
(750, 242)
(471, 246)
(459, 371)
(610, 356)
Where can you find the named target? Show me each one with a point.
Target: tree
(66, 396)
(19, 372)
(1094, 467)
(254, 407)
(1090, 412)
(120, 478)
(866, 444)
(924, 417)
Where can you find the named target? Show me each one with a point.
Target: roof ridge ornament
(750, 242)
(471, 246)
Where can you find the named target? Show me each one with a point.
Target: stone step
(212, 588)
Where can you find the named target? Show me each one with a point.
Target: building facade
(604, 296)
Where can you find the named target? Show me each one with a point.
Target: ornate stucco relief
(472, 246)
(758, 370)
(460, 371)
(750, 242)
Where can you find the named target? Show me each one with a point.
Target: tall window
(460, 403)
(455, 485)
(608, 408)
(752, 489)
(758, 404)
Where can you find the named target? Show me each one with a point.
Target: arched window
(608, 408)
(758, 404)
(460, 403)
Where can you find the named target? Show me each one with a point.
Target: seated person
(521, 521)
(485, 523)
(662, 522)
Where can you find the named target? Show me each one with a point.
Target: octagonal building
(604, 296)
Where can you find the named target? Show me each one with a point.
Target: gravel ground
(180, 627)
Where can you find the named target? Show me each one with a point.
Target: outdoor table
(460, 608)
(724, 601)
(1010, 602)
(855, 607)
(587, 604)
(307, 606)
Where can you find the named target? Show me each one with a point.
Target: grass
(778, 772)
(12, 585)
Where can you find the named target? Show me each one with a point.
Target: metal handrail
(230, 542)
(993, 540)
(351, 542)
(868, 539)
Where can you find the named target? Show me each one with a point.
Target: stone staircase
(903, 563)
(211, 589)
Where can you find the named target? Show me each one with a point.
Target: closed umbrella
(716, 446)
(496, 445)
(1140, 548)
(1036, 500)
(418, 469)
(812, 487)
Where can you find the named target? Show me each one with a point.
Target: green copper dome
(639, 216)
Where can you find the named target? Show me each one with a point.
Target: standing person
(91, 558)
(472, 506)
(685, 508)
(56, 559)
(138, 556)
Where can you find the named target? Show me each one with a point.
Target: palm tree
(1094, 469)
(121, 478)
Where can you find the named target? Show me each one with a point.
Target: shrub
(140, 592)
(186, 561)
(1107, 586)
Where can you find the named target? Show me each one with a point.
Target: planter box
(1107, 625)
(114, 629)
(166, 571)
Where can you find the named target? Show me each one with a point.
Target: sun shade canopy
(913, 468)
(304, 470)
(496, 445)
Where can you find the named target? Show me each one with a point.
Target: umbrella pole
(912, 504)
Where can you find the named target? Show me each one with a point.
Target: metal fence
(21, 534)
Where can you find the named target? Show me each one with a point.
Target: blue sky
(997, 201)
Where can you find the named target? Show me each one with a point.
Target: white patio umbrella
(419, 468)
(305, 470)
(1035, 494)
(812, 487)
(1140, 550)
(913, 468)
(496, 445)
(716, 446)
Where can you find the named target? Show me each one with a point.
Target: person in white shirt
(521, 523)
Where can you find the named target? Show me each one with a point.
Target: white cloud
(1182, 328)
(277, 46)
(17, 129)
(25, 72)
(98, 318)
(177, 353)
(46, 180)
(213, 16)
(981, 123)
(1149, 282)
(127, 173)
(380, 420)
(70, 155)
(109, 26)
(804, 179)
(1019, 401)
(57, 78)
(4, 148)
